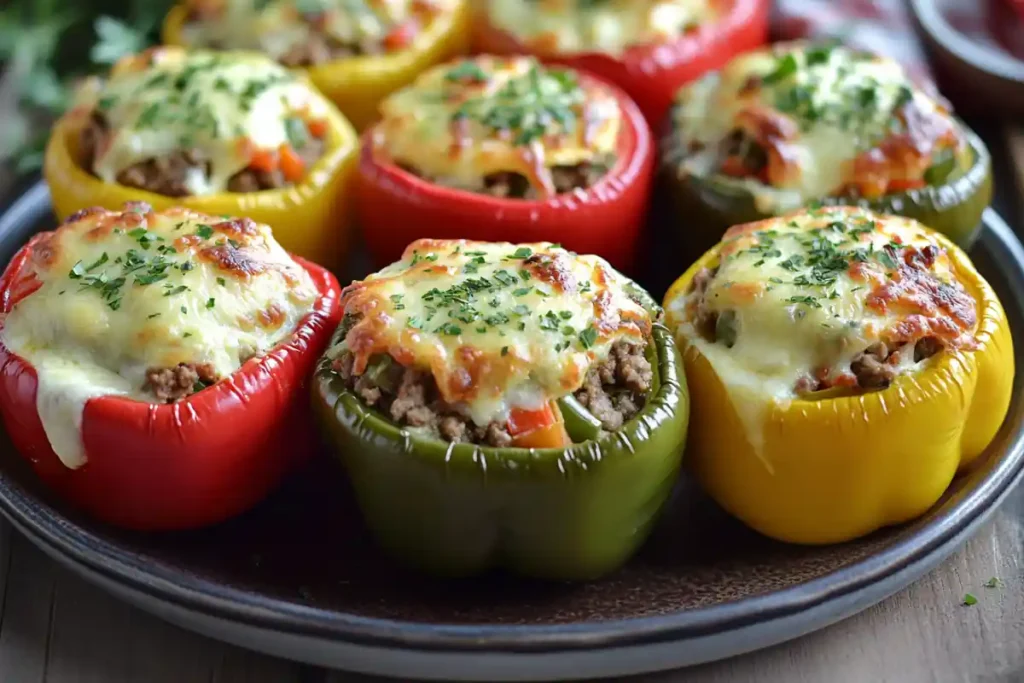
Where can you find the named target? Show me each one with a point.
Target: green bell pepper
(708, 206)
(460, 509)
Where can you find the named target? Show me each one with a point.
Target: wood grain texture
(54, 628)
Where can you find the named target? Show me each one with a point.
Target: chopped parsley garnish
(97, 263)
(539, 102)
(806, 300)
(549, 322)
(785, 67)
(204, 231)
(450, 329)
(825, 83)
(467, 70)
(505, 278)
(588, 337)
(970, 600)
(297, 132)
(211, 302)
(823, 254)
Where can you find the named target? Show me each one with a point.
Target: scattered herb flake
(588, 337)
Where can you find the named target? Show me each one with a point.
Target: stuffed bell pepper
(154, 364)
(646, 47)
(804, 123)
(506, 149)
(222, 133)
(502, 405)
(355, 51)
(844, 366)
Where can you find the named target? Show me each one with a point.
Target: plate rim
(253, 609)
(1006, 67)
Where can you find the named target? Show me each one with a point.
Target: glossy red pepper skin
(183, 465)
(651, 74)
(395, 207)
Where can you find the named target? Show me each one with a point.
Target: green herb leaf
(450, 329)
(970, 599)
(116, 39)
(588, 337)
(467, 70)
(785, 67)
(297, 132)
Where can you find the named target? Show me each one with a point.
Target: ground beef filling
(175, 383)
(741, 157)
(613, 391)
(167, 175)
(508, 185)
(873, 368)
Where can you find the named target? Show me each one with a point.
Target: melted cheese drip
(279, 26)
(785, 330)
(837, 84)
(437, 124)
(609, 26)
(512, 340)
(86, 337)
(223, 105)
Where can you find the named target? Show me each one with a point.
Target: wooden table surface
(55, 628)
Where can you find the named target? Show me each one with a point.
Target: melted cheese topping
(801, 295)
(114, 294)
(610, 26)
(225, 106)
(459, 123)
(498, 325)
(828, 119)
(278, 28)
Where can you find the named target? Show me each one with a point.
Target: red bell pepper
(395, 207)
(188, 464)
(651, 74)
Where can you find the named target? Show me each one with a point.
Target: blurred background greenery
(46, 47)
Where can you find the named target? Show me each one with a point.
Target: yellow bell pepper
(358, 84)
(310, 219)
(837, 468)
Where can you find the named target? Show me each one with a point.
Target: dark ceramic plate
(298, 577)
(977, 48)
